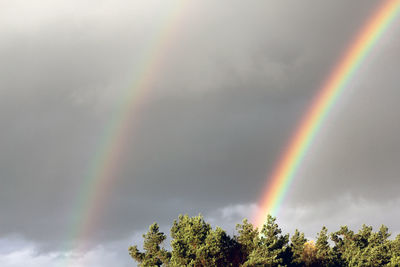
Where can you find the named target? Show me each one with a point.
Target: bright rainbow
(102, 172)
(355, 55)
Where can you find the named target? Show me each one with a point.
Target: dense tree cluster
(195, 243)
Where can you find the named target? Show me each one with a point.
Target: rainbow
(101, 173)
(282, 176)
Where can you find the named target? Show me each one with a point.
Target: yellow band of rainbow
(282, 176)
(101, 173)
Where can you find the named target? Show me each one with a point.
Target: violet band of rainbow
(101, 174)
(283, 174)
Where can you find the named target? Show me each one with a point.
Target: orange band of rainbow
(282, 176)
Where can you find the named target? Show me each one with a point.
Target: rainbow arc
(355, 55)
(101, 174)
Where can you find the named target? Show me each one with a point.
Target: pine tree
(218, 250)
(377, 253)
(344, 249)
(395, 252)
(272, 247)
(195, 243)
(154, 255)
(247, 239)
(297, 247)
(188, 235)
(324, 252)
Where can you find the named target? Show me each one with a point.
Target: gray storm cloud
(236, 79)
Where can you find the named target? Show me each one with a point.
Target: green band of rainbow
(282, 176)
(101, 174)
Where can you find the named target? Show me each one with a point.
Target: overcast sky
(235, 79)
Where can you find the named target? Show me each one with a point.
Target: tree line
(195, 243)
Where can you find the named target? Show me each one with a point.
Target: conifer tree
(247, 239)
(297, 246)
(395, 251)
(377, 253)
(324, 252)
(344, 248)
(188, 235)
(154, 255)
(218, 250)
(272, 247)
(195, 243)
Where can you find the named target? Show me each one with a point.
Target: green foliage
(395, 252)
(309, 256)
(188, 234)
(247, 239)
(377, 253)
(365, 248)
(324, 254)
(154, 255)
(195, 243)
(271, 246)
(297, 244)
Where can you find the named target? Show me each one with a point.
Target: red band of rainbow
(282, 176)
(101, 173)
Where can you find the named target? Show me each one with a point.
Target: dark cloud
(235, 80)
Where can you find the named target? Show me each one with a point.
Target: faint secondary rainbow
(282, 176)
(102, 172)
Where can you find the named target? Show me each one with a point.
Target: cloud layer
(235, 80)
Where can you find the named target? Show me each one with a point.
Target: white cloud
(27, 257)
(343, 210)
(239, 210)
(17, 252)
(309, 218)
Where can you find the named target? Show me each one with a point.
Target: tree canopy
(195, 243)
